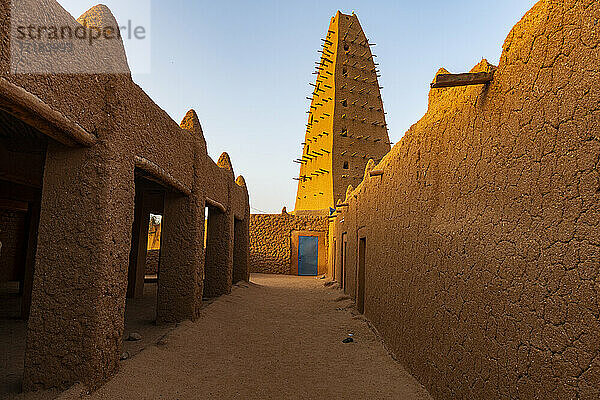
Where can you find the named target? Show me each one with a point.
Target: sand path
(279, 337)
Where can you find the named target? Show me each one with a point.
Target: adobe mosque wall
(481, 238)
(102, 135)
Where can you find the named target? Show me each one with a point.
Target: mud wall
(271, 240)
(482, 236)
(152, 258)
(104, 132)
(13, 237)
(154, 236)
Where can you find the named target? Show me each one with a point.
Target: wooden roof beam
(470, 78)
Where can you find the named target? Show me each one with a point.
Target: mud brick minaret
(346, 122)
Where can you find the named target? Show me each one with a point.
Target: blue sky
(244, 66)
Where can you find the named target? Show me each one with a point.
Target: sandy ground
(140, 317)
(279, 337)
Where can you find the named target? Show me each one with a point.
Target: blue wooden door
(308, 250)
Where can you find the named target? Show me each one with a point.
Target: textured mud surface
(271, 243)
(76, 323)
(489, 286)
